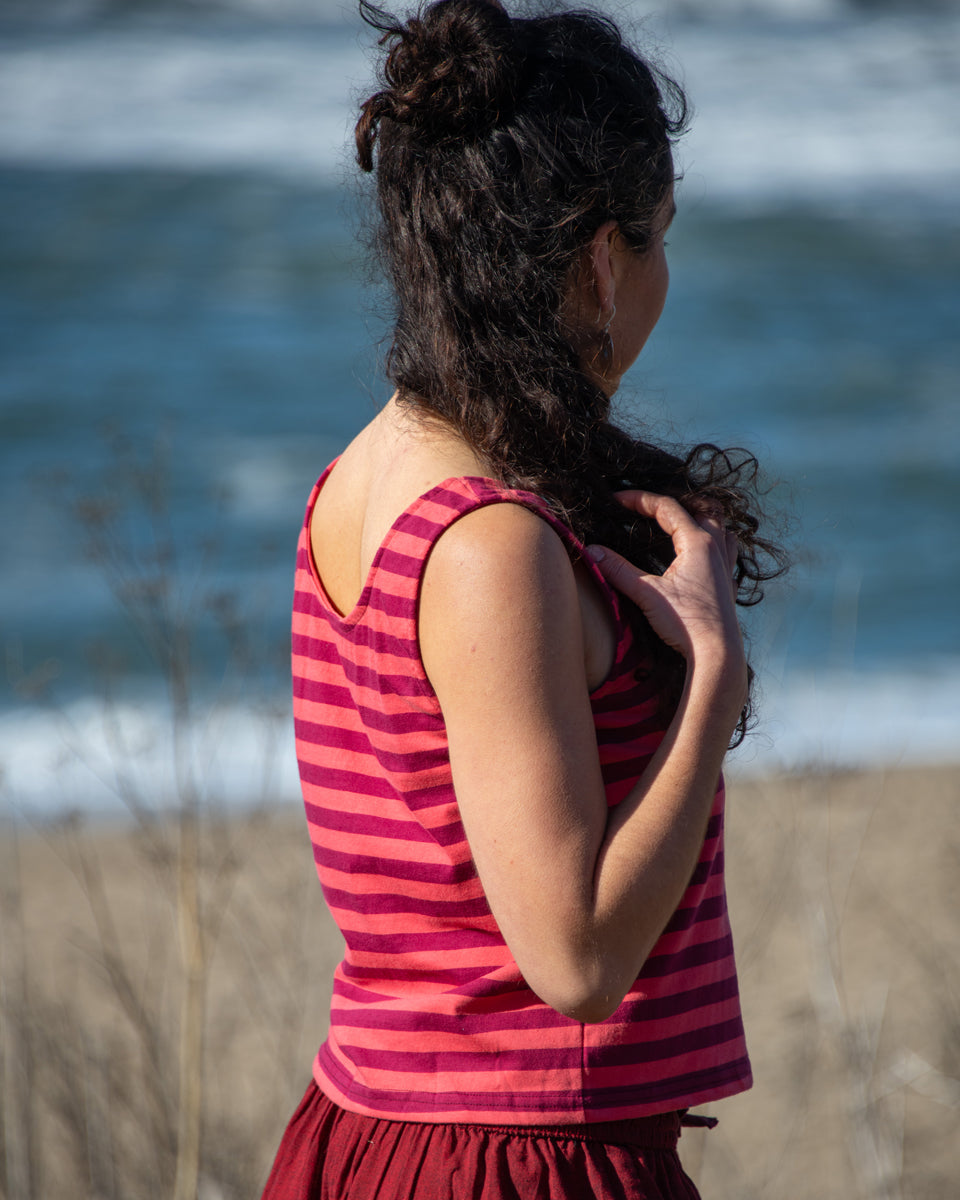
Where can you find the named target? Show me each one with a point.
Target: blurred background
(181, 266)
(189, 332)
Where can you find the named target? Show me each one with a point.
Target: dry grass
(845, 898)
(123, 1032)
(136, 1063)
(844, 892)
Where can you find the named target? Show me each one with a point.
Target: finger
(615, 569)
(706, 508)
(668, 513)
(717, 529)
(713, 525)
(732, 547)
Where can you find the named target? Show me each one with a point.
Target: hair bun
(450, 72)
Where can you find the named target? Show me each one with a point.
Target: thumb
(615, 569)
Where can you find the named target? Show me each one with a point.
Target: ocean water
(182, 276)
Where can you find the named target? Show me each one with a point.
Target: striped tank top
(431, 1019)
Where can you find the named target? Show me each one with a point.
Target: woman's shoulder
(492, 554)
(498, 551)
(502, 580)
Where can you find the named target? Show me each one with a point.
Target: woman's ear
(601, 278)
(590, 298)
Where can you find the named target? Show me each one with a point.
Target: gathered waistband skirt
(328, 1153)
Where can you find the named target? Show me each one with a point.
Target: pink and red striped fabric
(431, 1019)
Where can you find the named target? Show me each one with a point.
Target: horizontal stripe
(448, 874)
(704, 869)
(392, 562)
(416, 526)
(592, 1100)
(445, 1062)
(369, 677)
(608, 700)
(430, 1015)
(415, 1020)
(445, 976)
(333, 779)
(336, 737)
(411, 1100)
(365, 995)
(417, 759)
(352, 750)
(319, 642)
(421, 943)
(355, 823)
(672, 1089)
(674, 1004)
(697, 955)
(390, 724)
(630, 770)
(709, 909)
(518, 1060)
(390, 903)
(367, 884)
(707, 1036)
(391, 604)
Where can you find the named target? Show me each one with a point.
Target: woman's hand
(691, 606)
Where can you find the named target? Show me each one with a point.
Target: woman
(510, 767)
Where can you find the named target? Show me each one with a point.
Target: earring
(605, 351)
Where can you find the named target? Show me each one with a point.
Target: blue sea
(186, 309)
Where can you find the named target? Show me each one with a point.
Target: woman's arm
(580, 892)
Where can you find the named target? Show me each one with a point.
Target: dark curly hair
(500, 146)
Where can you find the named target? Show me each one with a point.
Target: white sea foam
(100, 757)
(849, 108)
(822, 108)
(329, 12)
(162, 98)
(834, 718)
(89, 755)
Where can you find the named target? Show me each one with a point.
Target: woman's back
(391, 462)
(395, 459)
(431, 1016)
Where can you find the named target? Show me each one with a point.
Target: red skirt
(328, 1153)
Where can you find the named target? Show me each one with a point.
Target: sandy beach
(845, 896)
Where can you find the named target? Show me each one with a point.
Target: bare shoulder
(500, 609)
(500, 546)
(501, 578)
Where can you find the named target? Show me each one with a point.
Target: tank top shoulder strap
(435, 511)
(393, 582)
